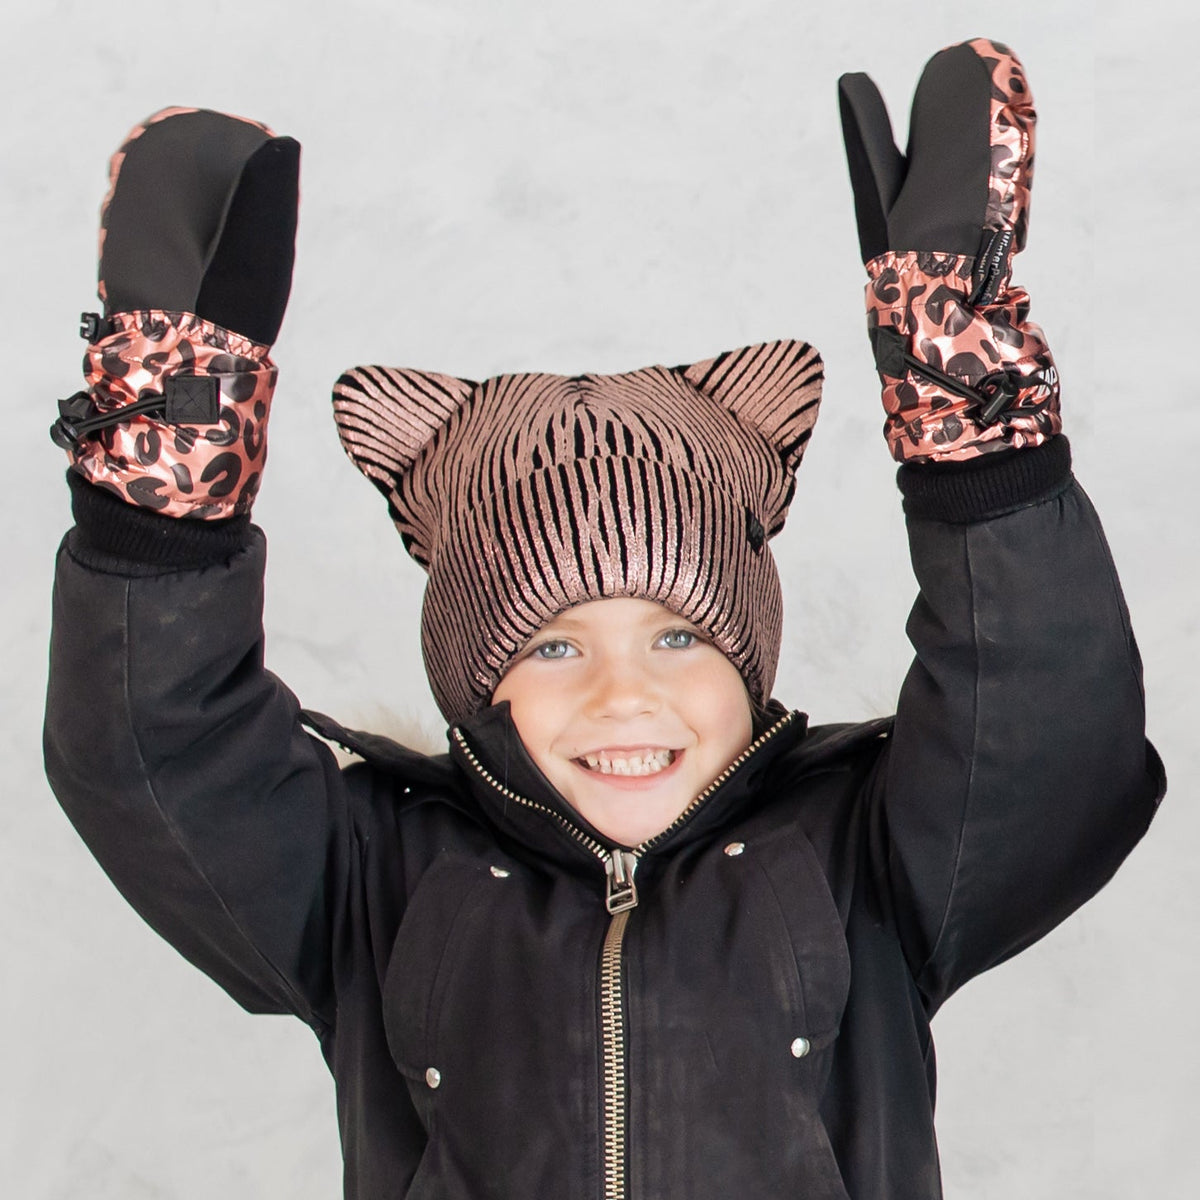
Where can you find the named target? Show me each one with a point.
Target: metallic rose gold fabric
(205, 471)
(1013, 124)
(526, 494)
(924, 296)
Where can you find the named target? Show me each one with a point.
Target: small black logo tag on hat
(756, 535)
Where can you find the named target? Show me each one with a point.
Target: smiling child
(642, 932)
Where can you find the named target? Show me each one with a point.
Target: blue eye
(678, 639)
(553, 650)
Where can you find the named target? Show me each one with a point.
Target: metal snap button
(800, 1047)
(500, 872)
(433, 1077)
(735, 848)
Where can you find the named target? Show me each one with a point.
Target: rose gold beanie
(527, 494)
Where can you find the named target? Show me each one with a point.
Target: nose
(622, 688)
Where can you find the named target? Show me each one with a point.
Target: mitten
(964, 371)
(197, 240)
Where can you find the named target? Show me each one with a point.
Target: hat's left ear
(774, 387)
(385, 415)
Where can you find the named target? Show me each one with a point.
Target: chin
(627, 817)
(632, 835)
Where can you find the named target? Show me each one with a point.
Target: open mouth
(633, 763)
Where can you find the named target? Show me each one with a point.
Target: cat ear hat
(526, 494)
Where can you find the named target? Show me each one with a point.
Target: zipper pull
(620, 892)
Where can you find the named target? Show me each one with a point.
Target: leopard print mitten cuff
(959, 380)
(201, 456)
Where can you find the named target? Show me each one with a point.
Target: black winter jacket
(754, 1019)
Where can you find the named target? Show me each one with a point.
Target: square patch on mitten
(192, 400)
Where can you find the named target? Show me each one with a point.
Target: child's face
(628, 712)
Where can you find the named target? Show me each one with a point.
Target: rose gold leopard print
(118, 160)
(200, 471)
(1013, 120)
(924, 296)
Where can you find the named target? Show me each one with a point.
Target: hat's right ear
(385, 416)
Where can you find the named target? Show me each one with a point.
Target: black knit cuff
(985, 487)
(112, 535)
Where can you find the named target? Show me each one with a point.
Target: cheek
(738, 724)
(531, 707)
(513, 687)
(723, 706)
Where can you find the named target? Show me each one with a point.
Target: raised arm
(1018, 776)
(179, 759)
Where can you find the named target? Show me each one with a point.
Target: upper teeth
(649, 762)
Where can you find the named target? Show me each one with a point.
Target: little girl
(642, 932)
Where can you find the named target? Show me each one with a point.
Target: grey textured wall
(518, 185)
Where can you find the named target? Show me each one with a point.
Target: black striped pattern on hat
(526, 494)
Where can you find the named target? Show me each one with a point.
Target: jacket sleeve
(182, 763)
(1018, 776)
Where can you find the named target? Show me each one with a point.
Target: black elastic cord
(992, 397)
(185, 399)
(67, 433)
(948, 382)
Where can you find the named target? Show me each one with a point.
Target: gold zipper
(582, 838)
(612, 1030)
(620, 898)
